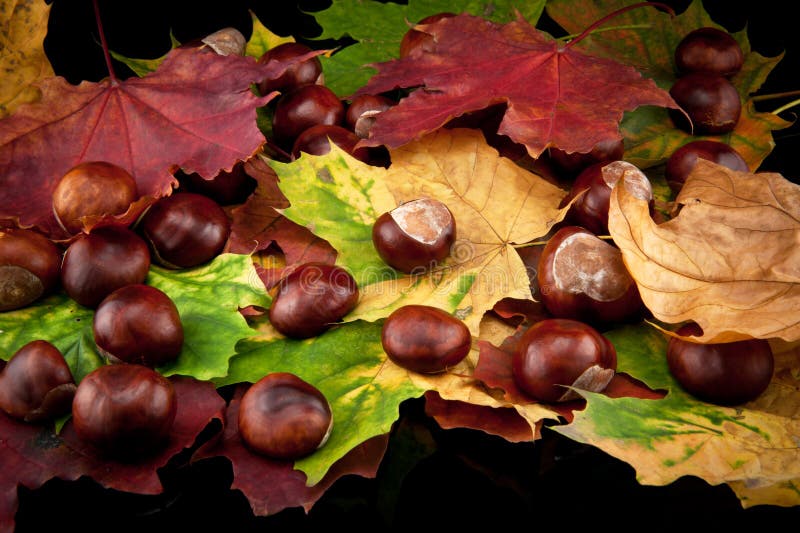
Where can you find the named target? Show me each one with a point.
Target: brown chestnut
(570, 164)
(416, 42)
(720, 373)
(425, 339)
(415, 236)
(92, 188)
(710, 101)
(306, 106)
(283, 417)
(317, 140)
(138, 324)
(311, 299)
(683, 160)
(583, 277)
(297, 73)
(556, 353)
(228, 187)
(30, 265)
(710, 50)
(36, 384)
(185, 230)
(361, 113)
(124, 411)
(592, 188)
(98, 263)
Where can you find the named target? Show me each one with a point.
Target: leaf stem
(104, 44)
(611, 28)
(613, 14)
(786, 107)
(774, 96)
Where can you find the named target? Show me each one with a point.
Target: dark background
(443, 478)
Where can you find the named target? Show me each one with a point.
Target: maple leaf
(286, 487)
(208, 299)
(494, 202)
(31, 454)
(22, 58)
(555, 95)
(347, 69)
(729, 259)
(753, 445)
(501, 421)
(646, 39)
(195, 112)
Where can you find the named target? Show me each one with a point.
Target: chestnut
(138, 324)
(283, 417)
(317, 140)
(425, 339)
(92, 188)
(36, 384)
(306, 106)
(98, 263)
(720, 373)
(558, 352)
(311, 299)
(415, 236)
(228, 187)
(124, 411)
(710, 101)
(710, 50)
(185, 229)
(360, 114)
(296, 74)
(682, 160)
(583, 277)
(30, 265)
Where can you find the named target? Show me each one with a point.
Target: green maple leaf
(347, 364)
(646, 39)
(347, 70)
(208, 299)
(753, 444)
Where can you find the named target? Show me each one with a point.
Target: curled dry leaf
(729, 260)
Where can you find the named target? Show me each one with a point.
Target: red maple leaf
(501, 421)
(195, 112)
(273, 485)
(555, 95)
(31, 454)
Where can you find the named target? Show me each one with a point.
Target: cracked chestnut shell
(98, 263)
(92, 188)
(138, 324)
(425, 339)
(311, 299)
(30, 266)
(36, 383)
(415, 236)
(720, 373)
(283, 417)
(556, 353)
(185, 229)
(582, 277)
(124, 411)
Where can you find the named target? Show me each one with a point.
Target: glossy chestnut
(317, 140)
(557, 353)
(138, 324)
(720, 373)
(311, 299)
(306, 106)
(228, 187)
(415, 236)
(711, 102)
(710, 50)
(36, 383)
(92, 188)
(570, 164)
(185, 230)
(297, 73)
(592, 188)
(98, 263)
(583, 277)
(425, 339)
(30, 266)
(283, 417)
(124, 411)
(361, 113)
(681, 162)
